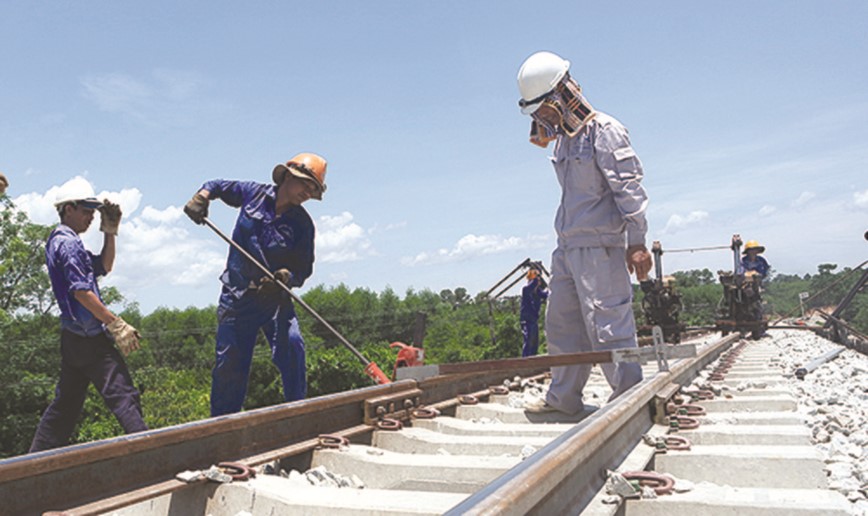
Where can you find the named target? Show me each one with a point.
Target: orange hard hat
(306, 165)
(533, 273)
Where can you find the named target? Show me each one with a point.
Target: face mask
(573, 110)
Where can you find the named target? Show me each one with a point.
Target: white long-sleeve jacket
(601, 193)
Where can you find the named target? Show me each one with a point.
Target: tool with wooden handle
(371, 369)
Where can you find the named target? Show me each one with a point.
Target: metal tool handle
(285, 287)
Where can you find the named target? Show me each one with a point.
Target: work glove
(197, 208)
(126, 337)
(268, 289)
(110, 217)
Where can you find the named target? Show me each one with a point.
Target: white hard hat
(537, 77)
(77, 190)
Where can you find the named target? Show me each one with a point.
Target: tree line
(172, 370)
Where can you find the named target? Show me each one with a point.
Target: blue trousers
(530, 332)
(240, 320)
(86, 360)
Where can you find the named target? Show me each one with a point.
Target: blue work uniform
(88, 354)
(760, 265)
(282, 241)
(532, 296)
(602, 208)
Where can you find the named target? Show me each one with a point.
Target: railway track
(458, 444)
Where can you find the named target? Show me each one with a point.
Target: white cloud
(472, 245)
(678, 223)
(388, 227)
(170, 214)
(167, 97)
(152, 248)
(117, 93)
(767, 209)
(40, 207)
(338, 277)
(339, 239)
(803, 199)
(861, 199)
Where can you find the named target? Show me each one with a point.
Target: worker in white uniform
(600, 226)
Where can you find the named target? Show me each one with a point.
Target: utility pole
(802, 297)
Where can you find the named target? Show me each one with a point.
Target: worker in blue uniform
(532, 296)
(274, 228)
(752, 261)
(89, 331)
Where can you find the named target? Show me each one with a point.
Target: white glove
(126, 337)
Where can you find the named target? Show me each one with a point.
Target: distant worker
(602, 204)
(89, 331)
(752, 261)
(4, 183)
(532, 296)
(276, 230)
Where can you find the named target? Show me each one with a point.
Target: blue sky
(749, 118)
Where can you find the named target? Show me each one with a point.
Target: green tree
(29, 344)
(24, 283)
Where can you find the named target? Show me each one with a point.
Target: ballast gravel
(833, 400)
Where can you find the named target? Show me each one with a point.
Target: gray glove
(197, 208)
(268, 289)
(110, 217)
(126, 337)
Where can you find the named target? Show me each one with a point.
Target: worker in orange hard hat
(274, 228)
(752, 261)
(532, 296)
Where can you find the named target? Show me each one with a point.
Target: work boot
(539, 406)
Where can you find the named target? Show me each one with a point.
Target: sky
(749, 117)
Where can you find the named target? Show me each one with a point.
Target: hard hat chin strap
(573, 109)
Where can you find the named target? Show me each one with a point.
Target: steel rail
(83, 473)
(564, 476)
(105, 476)
(101, 476)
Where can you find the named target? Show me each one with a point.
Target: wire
(694, 249)
(827, 287)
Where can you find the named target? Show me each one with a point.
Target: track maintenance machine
(661, 303)
(741, 307)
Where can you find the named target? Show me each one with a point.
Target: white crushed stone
(486, 421)
(648, 493)
(682, 485)
(833, 400)
(214, 474)
(319, 476)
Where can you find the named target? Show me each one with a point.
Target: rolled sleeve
(80, 268)
(623, 172)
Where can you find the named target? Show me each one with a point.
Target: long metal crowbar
(371, 369)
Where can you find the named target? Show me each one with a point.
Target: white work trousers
(589, 309)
